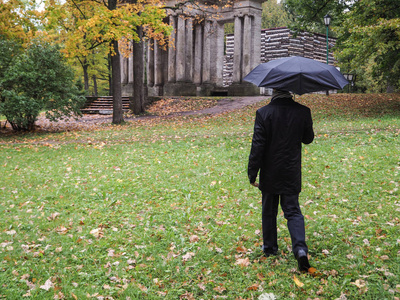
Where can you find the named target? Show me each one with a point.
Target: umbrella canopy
(297, 74)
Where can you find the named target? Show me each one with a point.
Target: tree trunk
(110, 86)
(85, 68)
(95, 91)
(137, 104)
(118, 116)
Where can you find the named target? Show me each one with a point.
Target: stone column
(180, 49)
(256, 51)
(130, 68)
(207, 52)
(237, 54)
(247, 46)
(198, 41)
(158, 67)
(189, 50)
(150, 63)
(183, 56)
(172, 51)
(217, 56)
(247, 50)
(124, 67)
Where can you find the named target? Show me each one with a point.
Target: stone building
(194, 64)
(204, 61)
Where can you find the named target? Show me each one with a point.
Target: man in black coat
(279, 130)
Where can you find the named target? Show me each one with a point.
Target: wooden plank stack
(281, 42)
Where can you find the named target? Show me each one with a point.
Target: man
(280, 128)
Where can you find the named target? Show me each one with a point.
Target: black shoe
(268, 254)
(303, 263)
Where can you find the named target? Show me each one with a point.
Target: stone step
(104, 105)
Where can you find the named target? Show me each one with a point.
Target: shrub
(38, 79)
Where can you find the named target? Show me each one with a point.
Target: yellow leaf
(297, 281)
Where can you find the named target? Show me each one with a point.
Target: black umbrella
(297, 74)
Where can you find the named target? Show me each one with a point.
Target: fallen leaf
(243, 262)
(359, 283)
(194, 238)
(53, 216)
(97, 232)
(220, 289)
(254, 287)
(268, 296)
(241, 249)
(28, 294)
(47, 285)
(187, 295)
(188, 256)
(62, 229)
(297, 281)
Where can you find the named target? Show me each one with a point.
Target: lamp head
(327, 19)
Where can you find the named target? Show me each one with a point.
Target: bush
(37, 80)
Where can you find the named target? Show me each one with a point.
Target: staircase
(103, 105)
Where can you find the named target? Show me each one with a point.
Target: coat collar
(282, 100)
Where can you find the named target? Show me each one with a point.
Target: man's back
(280, 128)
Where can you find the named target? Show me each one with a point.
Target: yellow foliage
(84, 25)
(15, 22)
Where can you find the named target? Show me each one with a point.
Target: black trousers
(294, 217)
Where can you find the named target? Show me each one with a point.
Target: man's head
(277, 93)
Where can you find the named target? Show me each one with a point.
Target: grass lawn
(162, 209)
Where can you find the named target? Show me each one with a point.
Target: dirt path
(223, 105)
(89, 122)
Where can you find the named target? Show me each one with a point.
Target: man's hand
(255, 184)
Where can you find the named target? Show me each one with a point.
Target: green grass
(163, 209)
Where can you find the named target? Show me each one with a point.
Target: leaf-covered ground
(161, 208)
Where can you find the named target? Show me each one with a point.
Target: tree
(308, 15)
(368, 36)
(369, 43)
(16, 22)
(38, 79)
(8, 49)
(274, 15)
(138, 74)
(111, 23)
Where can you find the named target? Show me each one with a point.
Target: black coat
(280, 128)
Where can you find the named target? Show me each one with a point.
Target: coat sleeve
(308, 135)
(257, 148)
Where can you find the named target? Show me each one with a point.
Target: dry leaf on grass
(194, 238)
(188, 256)
(243, 262)
(47, 285)
(297, 281)
(97, 232)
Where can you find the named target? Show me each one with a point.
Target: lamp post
(327, 21)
